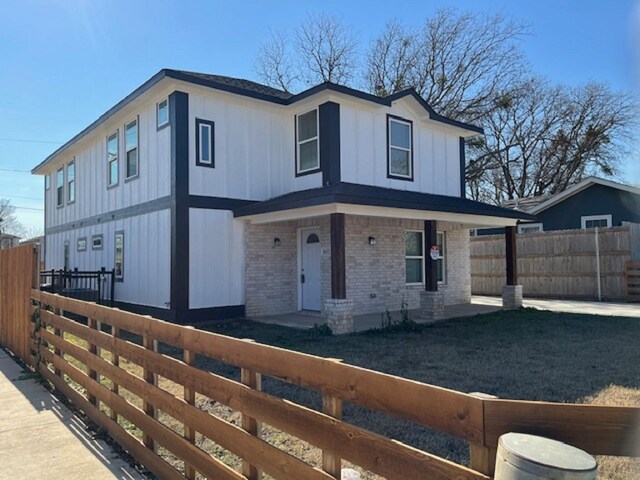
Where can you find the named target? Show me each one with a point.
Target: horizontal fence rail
(478, 420)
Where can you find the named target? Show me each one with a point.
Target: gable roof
(356, 194)
(578, 187)
(248, 88)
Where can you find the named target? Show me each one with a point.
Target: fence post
(58, 333)
(113, 286)
(115, 360)
(189, 358)
(150, 344)
(332, 406)
(483, 458)
(91, 323)
(252, 380)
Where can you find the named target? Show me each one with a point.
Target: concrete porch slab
(305, 320)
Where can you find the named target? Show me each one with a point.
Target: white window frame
(522, 226)
(166, 122)
(115, 160)
(441, 256)
(71, 182)
(97, 246)
(408, 150)
(47, 182)
(302, 142)
(127, 150)
(207, 127)
(60, 187)
(81, 244)
(585, 218)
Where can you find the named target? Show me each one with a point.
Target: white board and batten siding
(363, 148)
(254, 148)
(147, 255)
(216, 259)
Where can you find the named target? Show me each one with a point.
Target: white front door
(310, 269)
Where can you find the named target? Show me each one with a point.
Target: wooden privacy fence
(18, 275)
(559, 264)
(633, 281)
(479, 421)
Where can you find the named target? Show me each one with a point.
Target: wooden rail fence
(479, 421)
(633, 281)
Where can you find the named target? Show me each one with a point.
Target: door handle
(302, 278)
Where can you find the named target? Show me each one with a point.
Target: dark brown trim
(430, 265)
(511, 255)
(211, 124)
(329, 132)
(389, 174)
(338, 264)
(463, 169)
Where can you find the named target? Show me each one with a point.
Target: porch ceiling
(379, 202)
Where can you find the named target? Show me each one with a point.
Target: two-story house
(219, 197)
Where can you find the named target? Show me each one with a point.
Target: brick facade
(375, 273)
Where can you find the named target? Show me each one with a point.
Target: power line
(21, 197)
(14, 170)
(24, 140)
(29, 208)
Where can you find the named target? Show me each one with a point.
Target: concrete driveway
(569, 306)
(41, 438)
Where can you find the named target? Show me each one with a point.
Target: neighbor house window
(82, 244)
(162, 114)
(593, 221)
(399, 154)
(530, 228)
(60, 187)
(96, 242)
(131, 148)
(414, 257)
(112, 159)
(118, 264)
(205, 143)
(307, 144)
(71, 182)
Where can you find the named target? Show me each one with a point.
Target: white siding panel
(216, 259)
(147, 255)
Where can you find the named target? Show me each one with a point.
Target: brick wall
(271, 273)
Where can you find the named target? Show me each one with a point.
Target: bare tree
(540, 139)
(458, 62)
(273, 64)
(9, 223)
(321, 49)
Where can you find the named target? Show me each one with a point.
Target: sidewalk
(40, 438)
(569, 306)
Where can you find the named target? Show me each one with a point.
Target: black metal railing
(91, 286)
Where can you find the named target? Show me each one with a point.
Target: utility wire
(24, 140)
(29, 208)
(14, 170)
(21, 197)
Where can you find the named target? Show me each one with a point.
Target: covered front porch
(347, 257)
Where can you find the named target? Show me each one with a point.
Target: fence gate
(18, 274)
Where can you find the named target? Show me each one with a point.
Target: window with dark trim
(205, 143)
(399, 148)
(66, 254)
(131, 148)
(81, 245)
(415, 260)
(60, 187)
(441, 266)
(162, 113)
(112, 159)
(71, 182)
(118, 263)
(96, 242)
(307, 143)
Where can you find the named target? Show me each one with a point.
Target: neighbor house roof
(578, 187)
(258, 91)
(355, 194)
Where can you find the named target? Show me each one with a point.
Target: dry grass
(520, 355)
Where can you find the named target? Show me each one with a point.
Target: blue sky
(64, 62)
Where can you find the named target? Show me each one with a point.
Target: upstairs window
(400, 148)
(593, 221)
(71, 182)
(60, 187)
(307, 144)
(112, 160)
(162, 113)
(205, 143)
(131, 148)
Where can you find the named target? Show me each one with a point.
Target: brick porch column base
(511, 297)
(431, 306)
(339, 315)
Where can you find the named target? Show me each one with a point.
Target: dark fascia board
(380, 197)
(185, 77)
